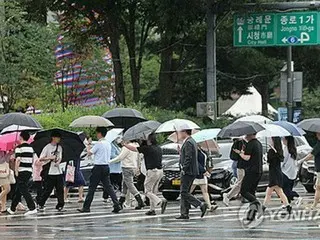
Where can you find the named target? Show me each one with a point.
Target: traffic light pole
(290, 84)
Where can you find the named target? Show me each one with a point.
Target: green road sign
(276, 29)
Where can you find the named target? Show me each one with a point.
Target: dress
(78, 176)
(201, 179)
(275, 173)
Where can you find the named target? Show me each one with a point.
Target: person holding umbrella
(52, 175)
(275, 158)
(315, 154)
(153, 159)
(313, 125)
(100, 171)
(253, 153)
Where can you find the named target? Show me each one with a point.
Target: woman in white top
(289, 168)
(129, 163)
(4, 182)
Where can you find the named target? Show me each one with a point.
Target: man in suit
(189, 171)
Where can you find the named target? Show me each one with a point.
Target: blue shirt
(102, 152)
(115, 167)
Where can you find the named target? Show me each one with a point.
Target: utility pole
(211, 58)
(290, 84)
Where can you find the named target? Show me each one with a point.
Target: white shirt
(102, 152)
(49, 151)
(289, 165)
(128, 158)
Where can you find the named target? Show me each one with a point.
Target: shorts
(202, 181)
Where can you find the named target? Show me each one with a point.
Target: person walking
(289, 168)
(52, 175)
(79, 182)
(153, 160)
(189, 172)
(240, 145)
(37, 179)
(101, 171)
(129, 163)
(253, 154)
(315, 154)
(202, 179)
(115, 172)
(4, 179)
(25, 156)
(275, 157)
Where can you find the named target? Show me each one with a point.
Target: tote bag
(4, 170)
(70, 173)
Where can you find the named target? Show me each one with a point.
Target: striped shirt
(25, 154)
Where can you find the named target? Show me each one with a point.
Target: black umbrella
(141, 130)
(20, 119)
(311, 125)
(71, 143)
(124, 117)
(238, 129)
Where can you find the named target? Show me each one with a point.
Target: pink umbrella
(9, 141)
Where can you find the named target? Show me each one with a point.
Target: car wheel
(309, 188)
(170, 196)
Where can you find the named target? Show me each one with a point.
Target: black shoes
(203, 208)
(182, 217)
(164, 204)
(116, 209)
(122, 201)
(82, 210)
(151, 213)
(140, 202)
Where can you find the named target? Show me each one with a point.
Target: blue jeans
(234, 168)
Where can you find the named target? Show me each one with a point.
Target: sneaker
(213, 208)
(226, 200)
(116, 209)
(31, 212)
(82, 210)
(298, 202)
(151, 213)
(10, 211)
(203, 209)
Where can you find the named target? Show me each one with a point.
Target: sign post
(278, 29)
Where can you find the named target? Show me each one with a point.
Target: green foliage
(26, 58)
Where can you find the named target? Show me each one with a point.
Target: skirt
(201, 181)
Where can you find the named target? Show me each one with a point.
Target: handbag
(4, 170)
(70, 173)
(12, 179)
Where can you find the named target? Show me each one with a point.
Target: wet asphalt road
(224, 223)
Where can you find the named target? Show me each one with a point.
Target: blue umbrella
(206, 134)
(293, 129)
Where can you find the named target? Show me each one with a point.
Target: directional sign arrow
(284, 40)
(240, 30)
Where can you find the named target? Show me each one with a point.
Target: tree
(25, 57)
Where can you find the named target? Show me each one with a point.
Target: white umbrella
(18, 128)
(255, 118)
(272, 130)
(177, 125)
(91, 121)
(113, 134)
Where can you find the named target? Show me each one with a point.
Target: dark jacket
(189, 157)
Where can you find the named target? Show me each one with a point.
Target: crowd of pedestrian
(195, 167)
